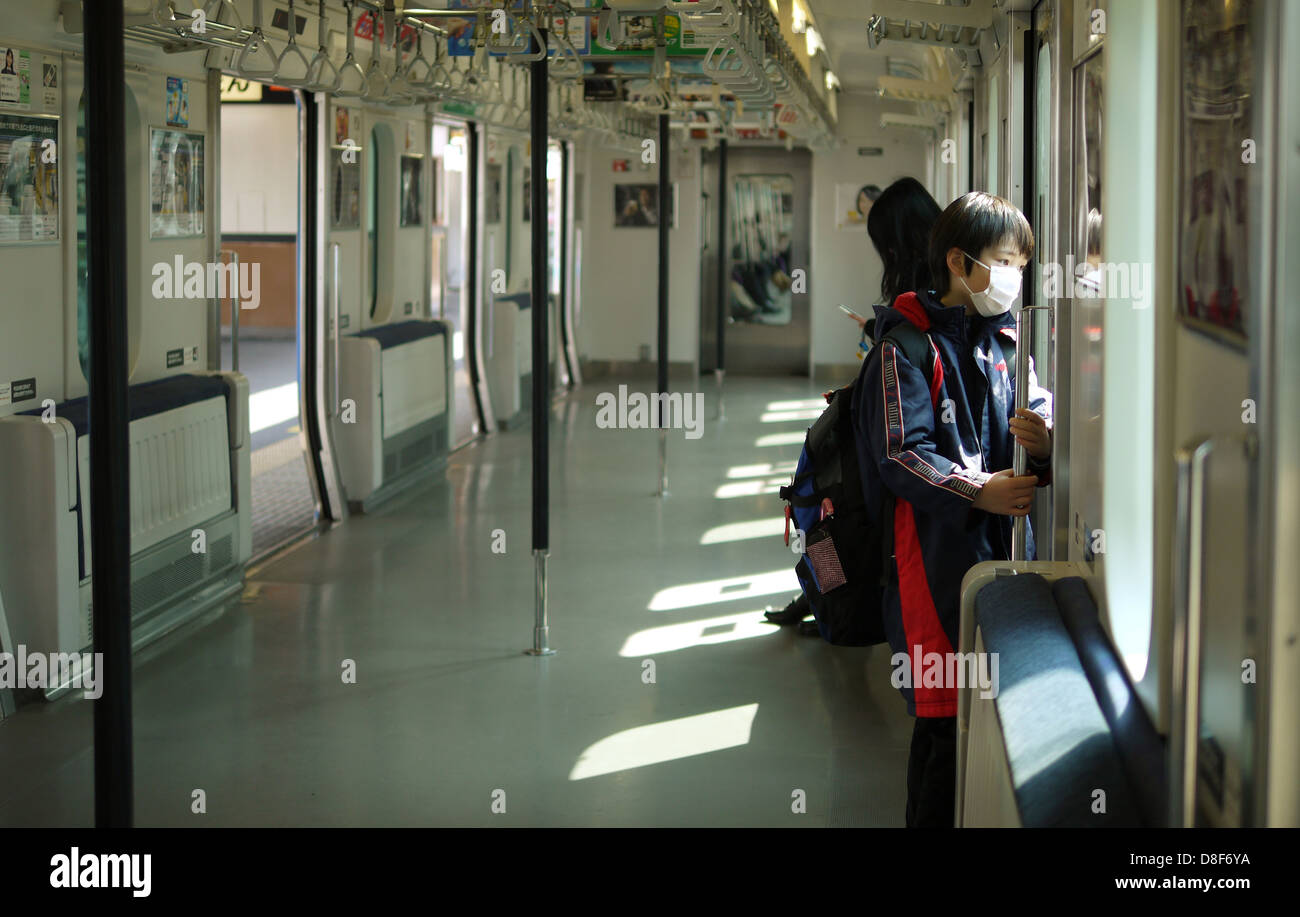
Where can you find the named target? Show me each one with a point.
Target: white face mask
(1002, 291)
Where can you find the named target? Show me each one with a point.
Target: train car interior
(401, 406)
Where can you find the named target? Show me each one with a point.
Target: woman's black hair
(972, 223)
(899, 225)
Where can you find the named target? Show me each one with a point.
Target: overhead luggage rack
(956, 27)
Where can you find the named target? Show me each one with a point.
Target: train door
(1086, 311)
(261, 149)
(450, 262)
(1047, 149)
(768, 218)
(1234, 737)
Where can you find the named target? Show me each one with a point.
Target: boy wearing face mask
(937, 453)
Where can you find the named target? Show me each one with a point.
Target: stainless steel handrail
(232, 294)
(1185, 691)
(334, 398)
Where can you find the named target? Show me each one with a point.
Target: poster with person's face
(29, 178)
(412, 200)
(175, 184)
(636, 205)
(16, 77)
(852, 204)
(341, 119)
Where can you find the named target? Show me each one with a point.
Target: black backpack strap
(915, 345)
(1009, 354)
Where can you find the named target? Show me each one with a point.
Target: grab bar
(1184, 731)
(321, 65)
(350, 65)
(232, 294)
(292, 49)
(334, 400)
(254, 46)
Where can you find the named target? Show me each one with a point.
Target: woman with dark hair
(899, 224)
(899, 221)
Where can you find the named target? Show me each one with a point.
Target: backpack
(846, 553)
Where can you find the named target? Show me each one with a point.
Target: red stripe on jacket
(921, 625)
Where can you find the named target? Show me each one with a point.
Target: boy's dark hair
(899, 225)
(972, 223)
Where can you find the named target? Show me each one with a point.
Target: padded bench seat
(146, 399)
(403, 332)
(1070, 720)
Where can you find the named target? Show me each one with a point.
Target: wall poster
(1218, 167)
(345, 194)
(16, 77)
(852, 204)
(492, 194)
(638, 205)
(175, 184)
(412, 199)
(29, 178)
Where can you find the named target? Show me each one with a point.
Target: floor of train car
(250, 704)
(282, 502)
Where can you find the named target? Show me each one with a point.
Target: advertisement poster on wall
(50, 82)
(178, 102)
(852, 204)
(412, 199)
(345, 195)
(29, 178)
(492, 194)
(15, 77)
(460, 32)
(638, 205)
(175, 184)
(1218, 114)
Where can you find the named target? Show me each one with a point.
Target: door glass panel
(1088, 304)
(1042, 211)
(451, 216)
(762, 227)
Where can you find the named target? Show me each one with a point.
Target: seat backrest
(1141, 749)
(1059, 747)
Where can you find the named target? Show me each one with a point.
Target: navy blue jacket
(933, 447)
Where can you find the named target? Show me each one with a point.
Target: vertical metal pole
(109, 463)
(724, 285)
(1024, 341)
(665, 203)
(235, 306)
(212, 220)
(541, 363)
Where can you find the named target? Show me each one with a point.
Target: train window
(763, 223)
(83, 313)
